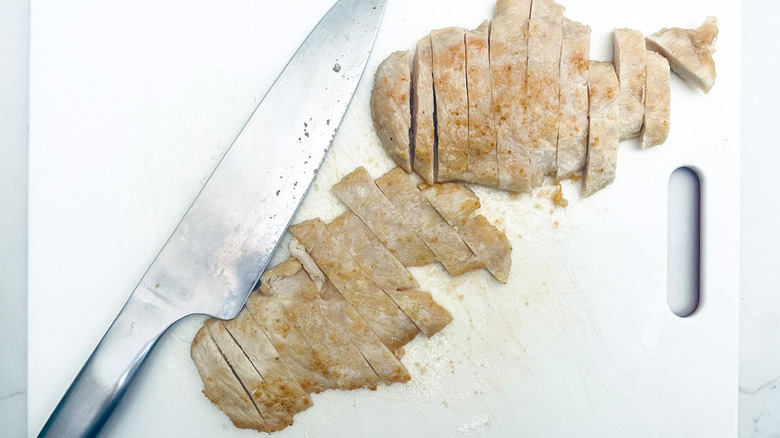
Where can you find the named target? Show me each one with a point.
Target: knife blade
(223, 243)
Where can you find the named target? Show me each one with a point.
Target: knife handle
(102, 381)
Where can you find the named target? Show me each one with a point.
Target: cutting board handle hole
(684, 242)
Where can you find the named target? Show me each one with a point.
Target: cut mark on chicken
(603, 129)
(420, 307)
(573, 126)
(221, 384)
(630, 62)
(358, 191)
(280, 395)
(239, 364)
(437, 234)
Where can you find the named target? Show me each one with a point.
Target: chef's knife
(221, 246)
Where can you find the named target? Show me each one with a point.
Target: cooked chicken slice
(289, 342)
(390, 107)
(456, 203)
(630, 62)
(386, 271)
(573, 127)
(603, 129)
(299, 252)
(334, 347)
(657, 101)
(221, 385)
(243, 369)
(452, 110)
(440, 237)
(358, 191)
(288, 281)
(483, 164)
(280, 396)
(424, 139)
(508, 61)
(544, 59)
(418, 305)
(380, 312)
(689, 52)
(381, 359)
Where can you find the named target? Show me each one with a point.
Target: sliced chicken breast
(221, 385)
(381, 359)
(334, 347)
(452, 112)
(424, 139)
(358, 191)
(689, 52)
(573, 126)
(483, 162)
(508, 62)
(386, 319)
(390, 107)
(544, 58)
(657, 101)
(289, 342)
(279, 397)
(386, 271)
(630, 62)
(603, 129)
(456, 203)
(440, 237)
(242, 368)
(420, 307)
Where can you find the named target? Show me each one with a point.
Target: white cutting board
(132, 105)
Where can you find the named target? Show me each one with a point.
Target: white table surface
(759, 395)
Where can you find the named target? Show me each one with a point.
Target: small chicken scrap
(506, 104)
(337, 314)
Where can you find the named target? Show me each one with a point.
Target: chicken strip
(440, 237)
(544, 58)
(334, 347)
(657, 101)
(390, 107)
(483, 163)
(386, 319)
(508, 62)
(630, 62)
(424, 140)
(573, 126)
(279, 397)
(604, 127)
(452, 113)
(381, 359)
(289, 342)
(457, 203)
(358, 191)
(242, 368)
(222, 386)
(689, 52)
(386, 271)
(418, 305)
